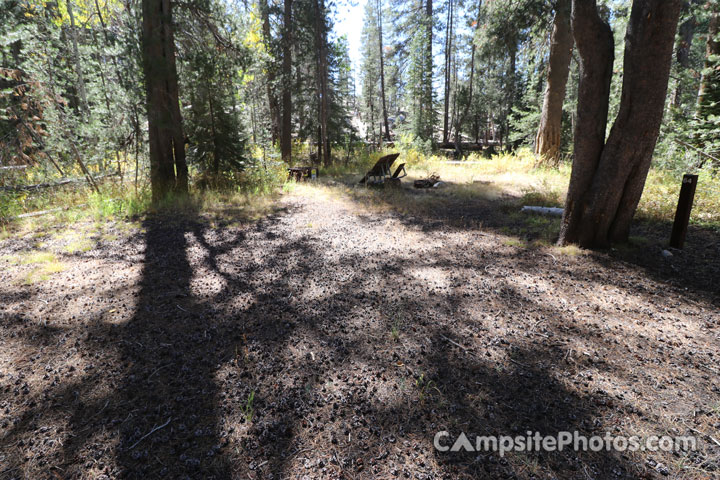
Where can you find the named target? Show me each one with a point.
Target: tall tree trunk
(213, 132)
(595, 45)
(273, 103)
(686, 31)
(712, 49)
(382, 70)
(608, 177)
(463, 115)
(428, 75)
(511, 91)
(448, 57)
(547, 141)
(321, 37)
(286, 130)
(168, 170)
(76, 59)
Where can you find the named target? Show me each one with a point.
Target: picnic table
(381, 171)
(303, 173)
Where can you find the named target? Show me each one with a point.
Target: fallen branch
(155, 429)
(455, 343)
(706, 155)
(42, 186)
(41, 212)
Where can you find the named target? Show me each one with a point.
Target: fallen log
(550, 211)
(43, 186)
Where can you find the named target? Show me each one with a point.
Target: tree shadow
(488, 207)
(277, 315)
(366, 412)
(171, 349)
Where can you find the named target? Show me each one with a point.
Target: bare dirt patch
(328, 340)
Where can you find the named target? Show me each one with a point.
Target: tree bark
(608, 177)
(428, 75)
(286, 130)
(273, 103)
(382, 70)
(463, 115)
(712, 48)
(168, 170)
(76, 60)
(322, 72)
(686, 31)
(547, 141)
(448, 50)
(213, 132)
(595, 45)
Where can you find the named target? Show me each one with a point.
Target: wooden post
(682, 214)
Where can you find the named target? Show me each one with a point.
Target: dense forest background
(268, 84)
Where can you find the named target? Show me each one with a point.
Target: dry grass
(43, 273)
(78, 246)
(38, 257)
(518, 175)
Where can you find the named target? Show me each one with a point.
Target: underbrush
(514, 176)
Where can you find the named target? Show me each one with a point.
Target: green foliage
(249, 409)
(72, 92)
(263, 178)
(118, 203)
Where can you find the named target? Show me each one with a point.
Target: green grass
(395, 331)
(425, 388)
(512, 180)
(43, 272)
(569, 250)
(44, 264)
(514, 242)
(38, 257)
(249, 409)
(11, 259)
(79, 246)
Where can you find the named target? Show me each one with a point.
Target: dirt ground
(333, 338)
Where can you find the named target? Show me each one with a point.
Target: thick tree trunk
(273, 103)
(608, 178)
(168, 170)
(382, 70)
(547, 141)
(511, 93)
(286, 130)
(595, 45)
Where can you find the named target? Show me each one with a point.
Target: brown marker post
(682, 214)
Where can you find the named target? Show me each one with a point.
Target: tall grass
(514, 174)
(519, 175)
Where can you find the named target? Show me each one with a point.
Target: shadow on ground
(269, 351)
(487, 206)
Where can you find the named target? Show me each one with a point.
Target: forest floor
(335, 335)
